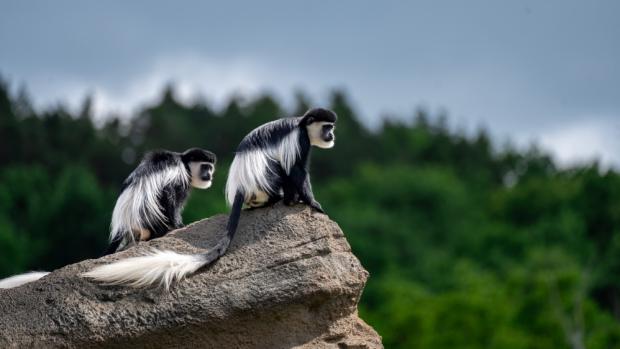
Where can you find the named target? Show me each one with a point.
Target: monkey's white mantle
(288, 280)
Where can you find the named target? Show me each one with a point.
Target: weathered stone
(288, 280)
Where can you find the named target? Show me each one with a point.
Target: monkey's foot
(272, 201)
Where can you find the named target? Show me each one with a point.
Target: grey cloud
(522, 68)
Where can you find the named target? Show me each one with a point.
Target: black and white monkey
(151, 201)
(154, 195)
(270, 164)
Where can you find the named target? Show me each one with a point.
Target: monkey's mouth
(329, 137)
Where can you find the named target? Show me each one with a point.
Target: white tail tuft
(18, 280)
(162, 267)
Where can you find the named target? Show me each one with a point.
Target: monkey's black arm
(171, 203)
(301, 179)
(289, 189)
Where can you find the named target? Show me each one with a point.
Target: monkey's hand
(316, 206)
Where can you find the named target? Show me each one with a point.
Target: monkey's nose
(329, 138)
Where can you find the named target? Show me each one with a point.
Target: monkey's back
(269, 134)
(262, 157)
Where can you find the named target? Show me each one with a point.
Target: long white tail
(18, 280)
(156, 267)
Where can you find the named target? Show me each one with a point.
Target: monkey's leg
(171, 201)
(273, 199)
(301, 180)
(290, 192)
(171, 208)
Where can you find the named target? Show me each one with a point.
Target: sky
(529, 71)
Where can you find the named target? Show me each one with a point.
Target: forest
(470, 242)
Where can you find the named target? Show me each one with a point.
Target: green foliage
(468, 245)
(60, 218)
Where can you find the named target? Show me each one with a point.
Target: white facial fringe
(196, 182)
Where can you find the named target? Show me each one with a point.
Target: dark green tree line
(469, 245)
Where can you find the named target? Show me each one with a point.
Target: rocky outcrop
(289, 280)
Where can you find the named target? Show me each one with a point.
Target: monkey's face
(202, 174)
(321, 134)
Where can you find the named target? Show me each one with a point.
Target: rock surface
(289, 280)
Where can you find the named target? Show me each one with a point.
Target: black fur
(271, 133)
(197, 155)
(113, 245)
(151, 163)
(294, 186)
(320, 114)
(171, 198)
(268, 134)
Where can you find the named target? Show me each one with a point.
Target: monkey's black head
(198, 155)
(320, 114)
(320, 125)
(201, 165)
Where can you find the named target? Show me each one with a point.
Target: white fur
(248, 171)
(138, 207)
(200, 184)
(156, 267)
(18, 280)
(326, 145)
(195, 174)
(316, 137)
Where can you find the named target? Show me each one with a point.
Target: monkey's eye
(206, 167)
(328, 127)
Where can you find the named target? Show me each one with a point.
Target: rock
(289, 280)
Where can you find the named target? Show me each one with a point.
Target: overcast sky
(544, 71)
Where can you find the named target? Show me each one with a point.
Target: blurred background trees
(469, 245)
